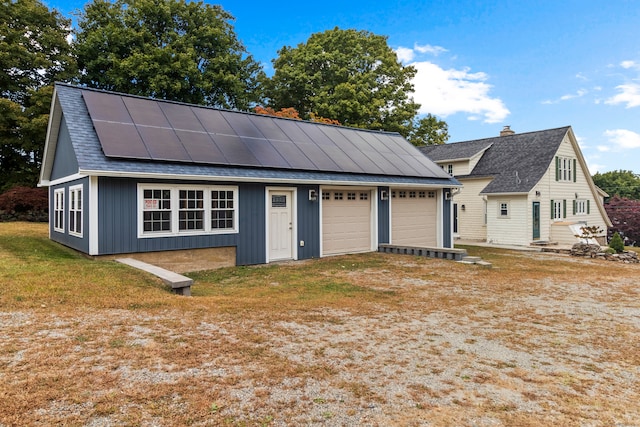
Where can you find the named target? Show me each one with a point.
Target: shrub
(616, 243)
(24, 204)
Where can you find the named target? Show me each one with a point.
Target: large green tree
(353, 77)
(169, 49)
(622, 183)
(34, 53)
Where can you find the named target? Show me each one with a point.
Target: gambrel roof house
(136, 175)
(521, 188)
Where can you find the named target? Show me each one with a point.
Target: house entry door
(280, 225)
(536, 220)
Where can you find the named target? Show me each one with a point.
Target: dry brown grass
(371, 339)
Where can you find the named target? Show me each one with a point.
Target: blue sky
(482, 65)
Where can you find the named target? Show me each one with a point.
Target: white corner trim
(94, 237)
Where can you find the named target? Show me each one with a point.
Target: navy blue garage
(133, 175)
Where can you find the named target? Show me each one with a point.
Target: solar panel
(317, 136)
(265, 153)
(294, 131)
(145, 112)
(234, 150)
(268, 127)
(342, 160)
(163, 144)
(181, 116)
(295, 157)
(140, 128)
(104, 106)
(319, 158)
(120, 140)
(213, 121)
(242, 124)
(201, 147)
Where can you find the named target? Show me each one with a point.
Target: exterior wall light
(313, 195)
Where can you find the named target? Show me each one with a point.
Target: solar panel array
(147, 129)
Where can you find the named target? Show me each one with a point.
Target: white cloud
(433, 50)
(405, 54)
(595, 167)
(445, 92)
(629, 94)
(630, 64)
(579, 94)
(623, 138)
(603, 148)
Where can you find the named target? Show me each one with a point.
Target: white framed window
(581, 207)
(75, 210)
(558, 209)
(58, 210)
(565, 169)
(503, 209)
(172, 210)
(450, 169)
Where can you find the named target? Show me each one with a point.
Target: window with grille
(58, 210)
(75, 210)
(191, 210)
(178, 209)
(223, 211)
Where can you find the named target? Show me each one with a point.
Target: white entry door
(280, 225)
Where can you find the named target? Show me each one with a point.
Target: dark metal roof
(121, 132)
(516, 162)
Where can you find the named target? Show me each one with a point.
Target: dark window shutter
(588, 207)
(553, 211)
(557, 168)
(574, 170)
(574, 207)
(564, 208)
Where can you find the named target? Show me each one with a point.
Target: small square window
(402, 194)
(337, 196)
(422, 194)
(504, 209)
(326, 195)
(364, 196)
(351, 196)
(412, 194)
(432, 194)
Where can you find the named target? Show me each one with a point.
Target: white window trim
(175, 217)
(72, 210)
(500, 203)
(581, 207)
(557, 210)
(58, 193)
(565, 169)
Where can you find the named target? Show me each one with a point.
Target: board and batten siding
(384, 219)
(308, 222)
(118, 222)
(471, 223)
(447, 225)
(511, 230)
(78, 243)
(550, 189)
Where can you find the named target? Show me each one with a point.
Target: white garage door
(346, 221)
(413, 218)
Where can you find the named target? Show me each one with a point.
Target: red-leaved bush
(625, 216)
(24, 204)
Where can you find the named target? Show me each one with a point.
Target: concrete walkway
(551, 248)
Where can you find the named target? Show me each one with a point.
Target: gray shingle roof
(371, 150)
(455, 151)
(516, 162)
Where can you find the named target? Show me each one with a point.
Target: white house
(521, 189)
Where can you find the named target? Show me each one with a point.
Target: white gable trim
(51, 140)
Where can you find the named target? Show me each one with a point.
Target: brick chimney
(506, 131)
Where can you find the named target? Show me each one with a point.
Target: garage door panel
(413, 218)
(346, 221)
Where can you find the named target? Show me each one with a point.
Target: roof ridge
(510, 136)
